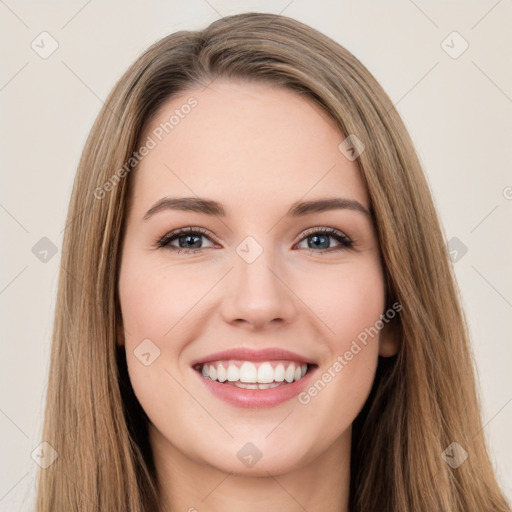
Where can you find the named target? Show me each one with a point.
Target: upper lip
(248, 354)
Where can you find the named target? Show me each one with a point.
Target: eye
(189, 240)
(189, 237)
(320, 239)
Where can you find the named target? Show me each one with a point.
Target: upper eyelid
(192, 229)
(320, 229)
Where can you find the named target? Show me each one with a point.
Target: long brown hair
(422, 400)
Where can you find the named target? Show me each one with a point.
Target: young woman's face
(253, 277)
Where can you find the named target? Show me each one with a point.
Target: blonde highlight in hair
(423, 399)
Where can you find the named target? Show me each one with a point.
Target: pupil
(188, 238)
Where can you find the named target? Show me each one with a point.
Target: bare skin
(256, 149)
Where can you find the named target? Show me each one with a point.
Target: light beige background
(458, 111)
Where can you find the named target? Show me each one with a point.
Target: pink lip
(247, 354)
(257, 398)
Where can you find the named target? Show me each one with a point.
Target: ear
(389, 339)
(120, 334)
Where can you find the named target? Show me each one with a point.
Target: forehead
(245, 144)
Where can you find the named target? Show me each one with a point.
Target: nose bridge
(257, 292)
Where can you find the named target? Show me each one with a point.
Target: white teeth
(266, 386)
(279, 373)
(247, 386)
(233, 373)
(265, 373)
(254, 376)
(222, 373)
(257, 386)
(290, 373)
(248, 372)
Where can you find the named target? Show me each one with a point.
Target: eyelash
(345, 241)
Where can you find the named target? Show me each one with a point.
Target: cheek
(155, 299)
(159, 307)
(349, 301)
(154, 304)
(350, 305)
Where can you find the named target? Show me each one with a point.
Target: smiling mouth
(254, 375)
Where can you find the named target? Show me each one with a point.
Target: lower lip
(256, 398)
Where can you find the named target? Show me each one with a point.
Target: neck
(318, 485)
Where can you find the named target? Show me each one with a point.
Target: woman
(255, 306)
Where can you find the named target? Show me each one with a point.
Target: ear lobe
(389, 340)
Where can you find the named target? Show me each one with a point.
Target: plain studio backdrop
(446, 67)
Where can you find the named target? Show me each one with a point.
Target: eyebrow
(210, 207)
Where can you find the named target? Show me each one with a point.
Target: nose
(258, 295)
